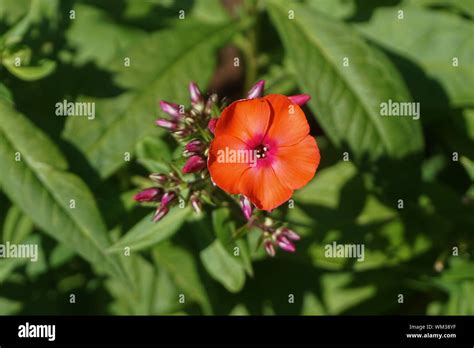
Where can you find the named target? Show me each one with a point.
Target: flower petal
(288, 124)
(224, 174)
(263, 188)
(296, 165)
(245, 119)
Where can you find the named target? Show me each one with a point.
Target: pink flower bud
(257, 90)
(162, 122)
(148, 195)
(171, 109)
(212, 125)
(160, 213)
(194, 164)
(159, 178)
(210, 103)
(167, 198)
(196, 95)
(194, 146)
(196, 203)
(285, 244)
(290, 234)
(269, 248)
(182, 132)
(300, 99)
(246, 206)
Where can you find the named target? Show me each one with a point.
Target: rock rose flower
(273, 131)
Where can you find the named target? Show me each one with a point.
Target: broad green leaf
(217, 255)
(224, 229)
(17, 226)
(211, 11)
(60, 255)
(223, 267)
(346, 99)
(322, 201)
(5, 93)
(147, 233)
(161, 66)
(154, 154)
(336, 8)
(432, 40)
(167, 292)
(458, 282)
(40, 266)
(181, 266)
(11, 11)
(335, 207)
(96, 37)
(279, 81)
(339, 296)
(40, 185)
(23, 14)
(140, 301)
(463, 6)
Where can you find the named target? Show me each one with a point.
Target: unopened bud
(257, 90)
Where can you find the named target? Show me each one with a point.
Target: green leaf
(23, 14)
(16, 230)
(31, 73)
(336, 8)
(60, 255)
(40, 266)
(223, 267)
(96, 37)
(463, 6)
(210, 11)
(181, 266)
(468, 166)
(5, 93)
(11, 11)
(40, 185)
(431, 39)
(224, 229)
(346, 99)
(9, 307)
(17, 226)
(339, 296)
(154, 154)
(217, 255)
(468, 122)
(458, 282)
(161, 66)
(140, 301)
(147, 233)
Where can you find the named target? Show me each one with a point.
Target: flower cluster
(272, 129)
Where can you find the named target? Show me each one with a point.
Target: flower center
(261, 151)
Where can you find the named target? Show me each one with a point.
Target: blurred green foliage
(78, 50)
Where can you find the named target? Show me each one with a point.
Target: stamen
(261, 151)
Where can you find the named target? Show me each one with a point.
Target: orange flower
(262, 149)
